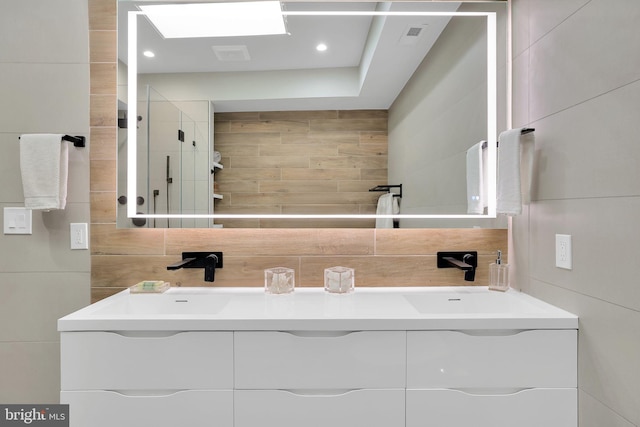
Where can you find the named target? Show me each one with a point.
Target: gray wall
(440, 114)
(44, 84)
(577, 81)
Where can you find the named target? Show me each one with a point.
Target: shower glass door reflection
(174, 176)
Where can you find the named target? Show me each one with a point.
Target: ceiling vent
(414, 31)
(411, 35)
(231, 53)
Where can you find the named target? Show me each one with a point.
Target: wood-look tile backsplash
(122, 257)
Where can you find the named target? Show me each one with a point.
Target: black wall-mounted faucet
(207, 260)
(466, 261)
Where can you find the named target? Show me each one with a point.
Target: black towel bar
(523, 132)
(387, 188)
(78, 141)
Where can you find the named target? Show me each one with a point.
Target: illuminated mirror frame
(492, 136)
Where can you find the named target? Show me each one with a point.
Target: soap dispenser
(499, 275)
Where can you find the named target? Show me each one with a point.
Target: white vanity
(391, 357)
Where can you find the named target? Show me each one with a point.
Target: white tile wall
(33, 302)
(44, 66)
(581, 158)
(520, 89)
(44, 97)
(54, 31)
(584, 57)
(602, 233)
(30, 372)
(577, 81)
(548, 14)
(595, 414)
(11, 191)
(519, 27)
(48, 248)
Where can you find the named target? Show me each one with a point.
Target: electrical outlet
(78, 234)
(563, 251)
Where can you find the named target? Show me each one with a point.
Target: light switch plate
(563, 251)
(17, 221)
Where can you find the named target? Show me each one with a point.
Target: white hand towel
(44, 162)
(527, 159)
(476, 199)
(387, 205)
(509, 194)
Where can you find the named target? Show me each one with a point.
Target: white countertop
(313, 309)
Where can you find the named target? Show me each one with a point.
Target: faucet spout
(462, 265)
(207, 260)
(181, 264)
(465, 261)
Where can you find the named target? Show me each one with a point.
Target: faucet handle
(210, 264)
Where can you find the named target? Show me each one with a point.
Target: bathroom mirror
(434, 73)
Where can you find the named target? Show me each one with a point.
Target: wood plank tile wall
(300, 162)
(122, 257)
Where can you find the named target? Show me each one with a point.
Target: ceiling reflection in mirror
(268, 131)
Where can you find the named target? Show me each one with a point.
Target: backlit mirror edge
(492, 96)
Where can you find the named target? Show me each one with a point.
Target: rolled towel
(44, 162)
(509, 194)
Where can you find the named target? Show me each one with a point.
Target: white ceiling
(362, 68)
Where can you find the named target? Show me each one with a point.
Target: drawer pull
(319, 334)
(320, 392)
(146, 334)
(491, 332)
(146, 393)
(490, 391)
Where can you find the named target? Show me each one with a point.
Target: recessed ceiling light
(148, 54)
(216, 19)
(321, 47)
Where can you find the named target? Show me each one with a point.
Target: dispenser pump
(499, 275)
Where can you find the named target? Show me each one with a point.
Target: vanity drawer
(193, 408)
(146, 360)
(370, 408)
(345, 360)
(526, 408)
(492, 359)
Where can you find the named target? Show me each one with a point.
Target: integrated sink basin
(468, 302)
(313, 309)
(167, 304)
